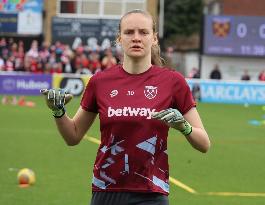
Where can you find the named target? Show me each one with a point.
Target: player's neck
(136, 66)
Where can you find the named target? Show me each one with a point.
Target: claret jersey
(133, 155)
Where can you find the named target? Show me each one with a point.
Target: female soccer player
(137, 102)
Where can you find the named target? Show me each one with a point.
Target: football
(26, 176)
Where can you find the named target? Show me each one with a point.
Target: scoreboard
(234, 36)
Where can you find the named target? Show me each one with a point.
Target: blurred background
(218, 45)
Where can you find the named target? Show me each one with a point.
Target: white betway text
(129, 111)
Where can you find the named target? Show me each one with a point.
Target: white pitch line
(181, 185)
(92, 139)
(171, 179)
(236, 194)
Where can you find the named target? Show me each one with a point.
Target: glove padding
(56, 99)
(174, 119)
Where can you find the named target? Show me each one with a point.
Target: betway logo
(129, 111)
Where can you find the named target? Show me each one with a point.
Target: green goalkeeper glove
(56, 99)
(175, 120)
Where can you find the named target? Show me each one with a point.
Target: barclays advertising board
(228, 92)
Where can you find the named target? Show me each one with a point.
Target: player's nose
(136, 36)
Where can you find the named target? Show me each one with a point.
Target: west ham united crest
(150, 92)
(221, 27)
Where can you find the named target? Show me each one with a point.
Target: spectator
(10, 43)
(84, 61)
(52, 58)
(83, 64)
(3, 45)
(5, 53)
(194, 73)
(262, 75)
(66, 63)
(68, 52)
(216, 73)
(33, 51)
(13, 50)
(245, 75)
(19, 64)
(2, 64)
(109, 60)
(44, 52)
(10, 64)
(95, 64)
(19, 61)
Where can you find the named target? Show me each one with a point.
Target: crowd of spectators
(61, 58)
(54, 58)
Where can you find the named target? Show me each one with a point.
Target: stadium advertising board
(228, 92)
(75, 84)
(91, 32)
(210, 91)
(234, 35)
(8, 23)
(24, 84)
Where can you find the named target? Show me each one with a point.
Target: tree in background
(182, 22)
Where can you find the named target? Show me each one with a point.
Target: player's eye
(128, 32)
(144, 32)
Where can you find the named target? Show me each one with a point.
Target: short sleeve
(182, 95)
(89, 99)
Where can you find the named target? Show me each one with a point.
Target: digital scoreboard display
(234, 36)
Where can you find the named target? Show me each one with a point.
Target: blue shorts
(128, 198)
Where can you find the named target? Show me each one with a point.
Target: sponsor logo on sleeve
(113, 93)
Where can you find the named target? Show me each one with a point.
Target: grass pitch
(234, 164)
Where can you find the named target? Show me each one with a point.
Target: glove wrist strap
(187, 130)
(58, 113)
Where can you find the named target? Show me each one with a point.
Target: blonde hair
(156, 58)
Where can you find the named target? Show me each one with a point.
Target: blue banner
(228, 92)
(8, 23)
(24, 84)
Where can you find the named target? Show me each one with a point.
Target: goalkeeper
(137, 102)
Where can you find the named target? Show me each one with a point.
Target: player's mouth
(136, 48)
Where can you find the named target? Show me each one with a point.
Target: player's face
(136, 35)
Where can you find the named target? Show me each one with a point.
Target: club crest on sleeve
(150, 92)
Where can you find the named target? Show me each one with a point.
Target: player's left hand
(171, 116)
(174, 119)
(56, 99)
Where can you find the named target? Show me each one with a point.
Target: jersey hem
(129, 190)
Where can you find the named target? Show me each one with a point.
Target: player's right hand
(56, 99)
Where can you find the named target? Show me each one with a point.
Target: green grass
(235, 162)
